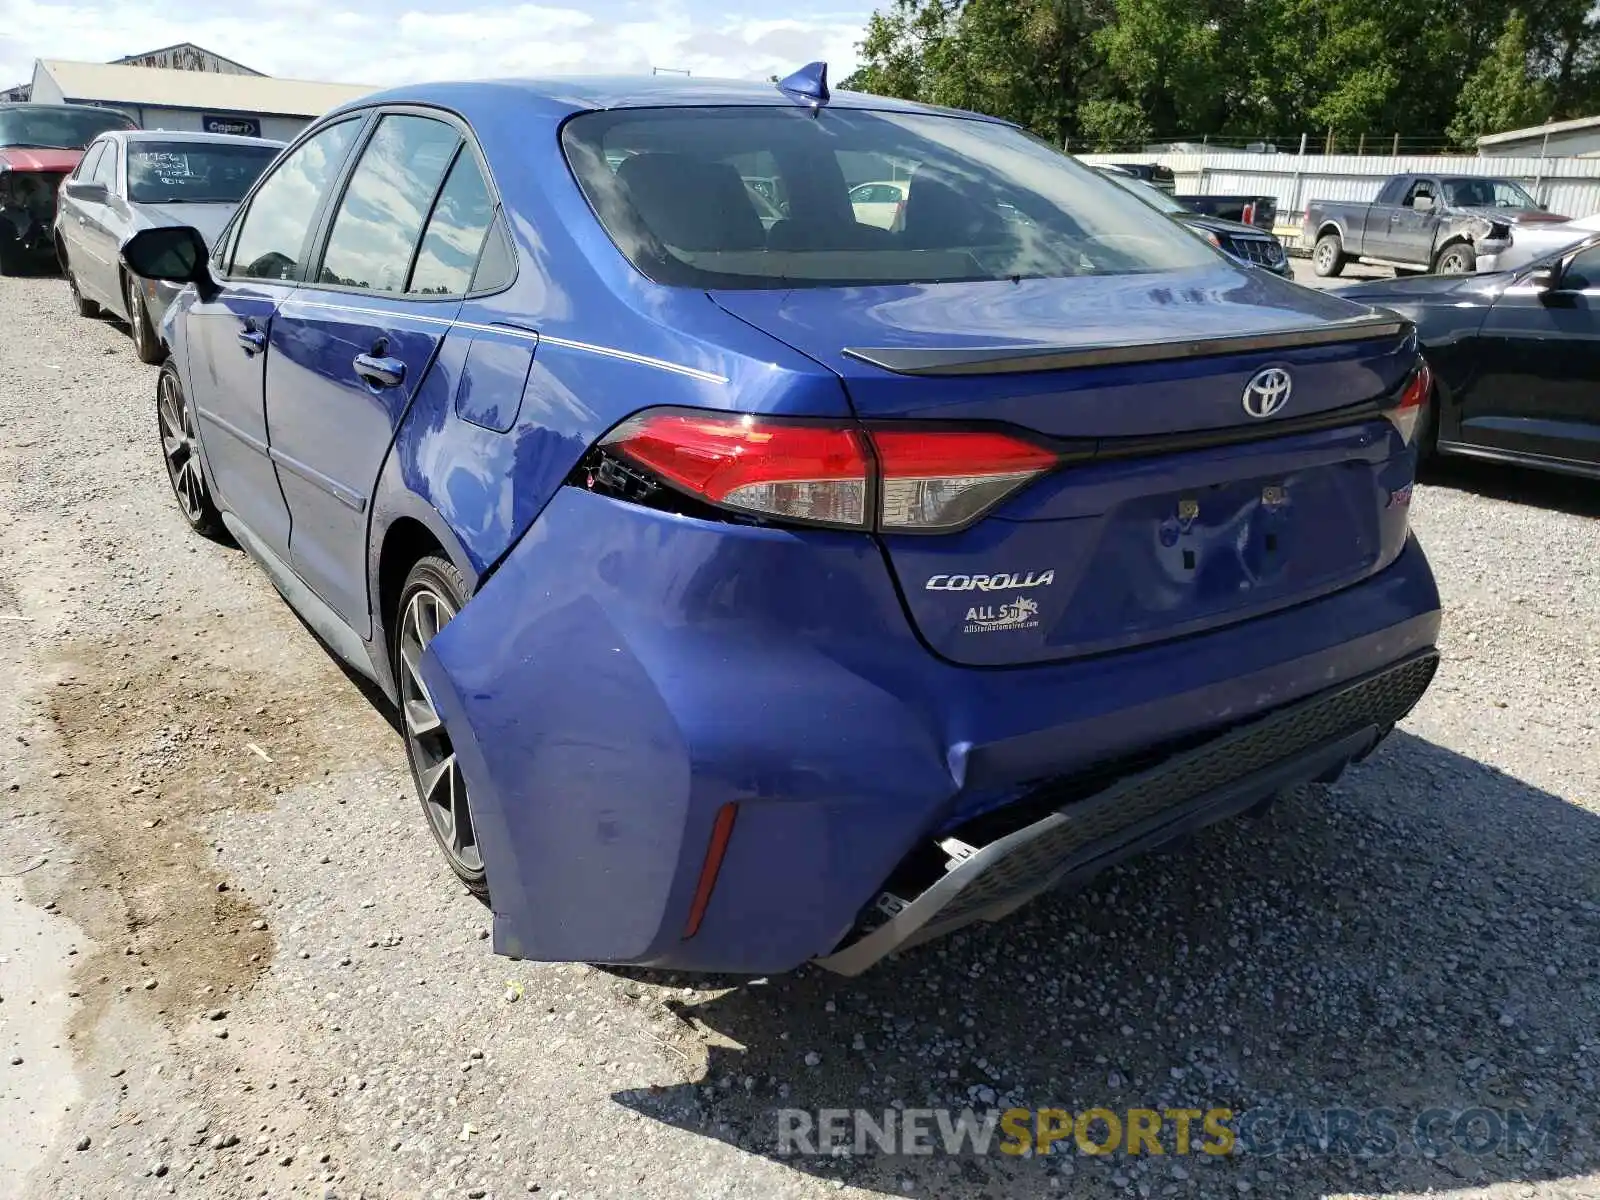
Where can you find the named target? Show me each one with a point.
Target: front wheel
(1460, 259)
(434, 592)
(145, 342)
(180, 447)
(1327, 257)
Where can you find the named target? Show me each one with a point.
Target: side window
(454, 237)
(273, 234)
(1421, 189)
(1583, 272)
(497, 266)
(84, 171)
(105, 168)
(390, 192)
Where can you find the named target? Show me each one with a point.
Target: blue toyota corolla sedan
(762, 580)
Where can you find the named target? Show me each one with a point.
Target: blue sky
(368, 41)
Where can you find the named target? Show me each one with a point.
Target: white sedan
(1529, 242)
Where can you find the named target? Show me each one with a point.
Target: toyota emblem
(1267, 392)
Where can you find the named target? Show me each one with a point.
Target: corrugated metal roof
(1537, 132)
(158, 87)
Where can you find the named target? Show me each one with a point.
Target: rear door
(351, 346)
(228, 333)
(71, 218)
(102, 272)
(1538, 388)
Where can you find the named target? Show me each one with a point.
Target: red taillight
(925, 481)
(1405, 415)
(933, 480)
(811, 473)
(1248, 216)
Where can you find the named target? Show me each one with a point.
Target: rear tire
(434, 592)
(1459, 259)
(1327, 256)
(81, 304)
(145, 342)
(10, 256)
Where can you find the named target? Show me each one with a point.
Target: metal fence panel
(1565, 185)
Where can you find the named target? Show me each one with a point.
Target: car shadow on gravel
(1421, 936)
(1516, 485)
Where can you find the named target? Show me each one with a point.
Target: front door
(1411, 226)
(229, 334)
(351, 347)
(1538, 388)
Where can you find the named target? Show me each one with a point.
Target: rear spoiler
(1007, 360)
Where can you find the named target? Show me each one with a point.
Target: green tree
(1502, 93)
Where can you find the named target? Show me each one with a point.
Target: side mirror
(175, 253)
(1541, 280)
(89, 193)
(1422, 203)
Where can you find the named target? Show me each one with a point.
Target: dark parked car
(1247, 243)
(754, 594)
(1421, 223)
(1515, 358)
(130, 181)
(39, 144)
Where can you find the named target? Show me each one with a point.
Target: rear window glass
(774, 197)
(194, 172)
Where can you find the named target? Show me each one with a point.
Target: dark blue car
(759, 585)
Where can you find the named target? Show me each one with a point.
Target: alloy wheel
(137, 321)
(439, 779)
(178, 447)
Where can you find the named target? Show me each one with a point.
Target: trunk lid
(1180, 510)
(29, 158)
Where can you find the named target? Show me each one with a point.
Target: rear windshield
(194, 172)
(56, 127)
(775, 198)
(1487, 193)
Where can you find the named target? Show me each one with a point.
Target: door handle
(379, 372)
(252, 341)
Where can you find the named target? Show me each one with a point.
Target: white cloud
(359, 41)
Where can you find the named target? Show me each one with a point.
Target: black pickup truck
(1260, 211)
(1420, 223)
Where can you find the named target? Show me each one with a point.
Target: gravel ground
(225, 917)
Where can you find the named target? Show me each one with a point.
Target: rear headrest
(937, 216)
(691, 203)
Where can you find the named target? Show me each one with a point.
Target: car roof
(188, 135)
(579, 93)
(14, 105)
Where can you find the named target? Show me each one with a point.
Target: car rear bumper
(1236, 770)
(626, 675)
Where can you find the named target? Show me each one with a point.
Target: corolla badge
(1267, 392)
(1000, 582)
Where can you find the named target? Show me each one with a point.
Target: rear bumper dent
(1236, 770)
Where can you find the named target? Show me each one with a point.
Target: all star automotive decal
(992, 618)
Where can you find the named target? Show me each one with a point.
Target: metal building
(205, 98)
(1579, 137)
